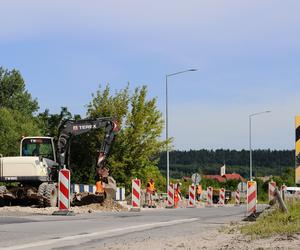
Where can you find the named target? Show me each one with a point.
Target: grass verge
(275, 222)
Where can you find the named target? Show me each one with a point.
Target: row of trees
(136, 149)
(265, 162)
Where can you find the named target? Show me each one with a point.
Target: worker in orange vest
(102, 174)
(150, 192)
(177, 194)
(199, 192)
(99, 187)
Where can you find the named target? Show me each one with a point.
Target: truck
(216, 196)
(33, 176)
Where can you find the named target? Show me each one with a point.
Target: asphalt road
(105, 230)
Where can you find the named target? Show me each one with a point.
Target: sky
(246, 52)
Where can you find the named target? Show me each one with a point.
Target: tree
(85, 148)
(135, 152)
(141, 131)
(13, 94)
(16, 112)
(14, 125)
(49, 123)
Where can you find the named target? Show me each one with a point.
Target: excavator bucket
(110, 188)
(86, 198)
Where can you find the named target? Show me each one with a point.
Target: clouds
(247, 53)
(212, 20)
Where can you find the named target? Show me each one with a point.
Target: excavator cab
(38, 146)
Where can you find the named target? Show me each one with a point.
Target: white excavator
(33, 175)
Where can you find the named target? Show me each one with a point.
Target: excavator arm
(71, 128)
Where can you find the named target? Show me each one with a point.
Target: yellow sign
(250, 183)
(297, 150)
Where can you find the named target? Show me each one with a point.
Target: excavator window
(37, 147)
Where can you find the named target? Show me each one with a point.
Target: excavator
(33, 175)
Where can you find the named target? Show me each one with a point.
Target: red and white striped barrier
(192, 196)
(209, 197)
(272, 186)
(237, 197)
(170, 196)
(64, 183)
(64, 189)
(136, 195)
(222, 196)
(251, 197)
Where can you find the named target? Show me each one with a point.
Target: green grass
(275, 223)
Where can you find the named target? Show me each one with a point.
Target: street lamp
(167, 123)
(250, 146)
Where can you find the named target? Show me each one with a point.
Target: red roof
(215, 177)
(225, 177)
(233, 177)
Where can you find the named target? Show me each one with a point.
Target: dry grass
(275, 223)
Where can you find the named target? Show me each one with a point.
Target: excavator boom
(70, 128)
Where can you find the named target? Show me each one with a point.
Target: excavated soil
(106, 206)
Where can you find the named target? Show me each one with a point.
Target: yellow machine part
(297, 150)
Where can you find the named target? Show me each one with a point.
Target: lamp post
(167, 123)
(250, 146)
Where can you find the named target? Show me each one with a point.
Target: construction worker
(199, 192)
(177, 194)
(150, 192)
(102, 174)
(99, 187)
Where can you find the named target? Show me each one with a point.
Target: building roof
(215, 177)
(233, 176)
(225, 177)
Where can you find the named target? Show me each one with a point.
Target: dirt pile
(106, 206)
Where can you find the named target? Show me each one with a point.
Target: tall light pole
(167, 122)
(250, 146)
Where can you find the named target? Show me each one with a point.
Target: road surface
(148, 229)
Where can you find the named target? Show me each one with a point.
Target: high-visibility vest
(99, 187)
(176, 194)
(150, 187)
(199, 189)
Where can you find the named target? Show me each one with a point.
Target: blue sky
(247, 53)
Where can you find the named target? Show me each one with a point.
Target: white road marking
(114, 232)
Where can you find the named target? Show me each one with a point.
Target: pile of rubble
(106, 206)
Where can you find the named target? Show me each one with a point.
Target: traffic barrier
(64, 178)
(136, 195)
(120, 194)
(222, 197)
(192, 196)
(271, 190)
(80, 188)
(209, 198)
(170, 196)
(251, 197)
(237, 197)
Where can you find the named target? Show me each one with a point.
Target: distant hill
(265, 162)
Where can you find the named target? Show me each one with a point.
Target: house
(218, 178)
(225, 177)
(234, 176)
